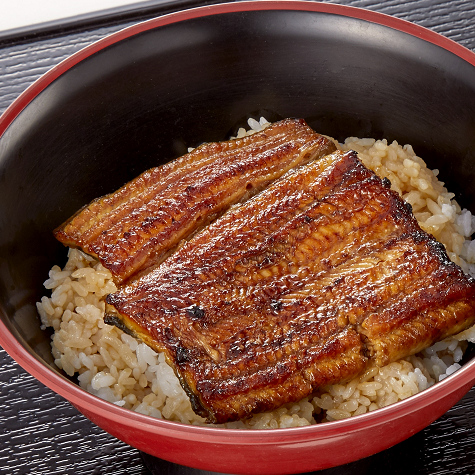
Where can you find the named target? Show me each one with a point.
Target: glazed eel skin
(307, 283)
(139, 225)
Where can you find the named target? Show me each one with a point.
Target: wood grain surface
(41, 433)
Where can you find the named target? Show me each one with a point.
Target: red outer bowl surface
(238, 451)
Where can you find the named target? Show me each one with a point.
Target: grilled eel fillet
(306, 284)
(141, 223)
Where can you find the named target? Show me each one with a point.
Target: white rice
(126, 372)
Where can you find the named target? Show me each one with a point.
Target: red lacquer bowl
(141, 96)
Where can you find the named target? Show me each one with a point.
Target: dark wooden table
(41, 433)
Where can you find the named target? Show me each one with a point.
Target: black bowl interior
(142, 101)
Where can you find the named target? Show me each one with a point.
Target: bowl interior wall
(144, 100)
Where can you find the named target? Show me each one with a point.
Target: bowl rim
(93, 404)
(240, 6)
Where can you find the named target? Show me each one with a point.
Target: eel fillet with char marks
(306, 284)
(139, 225)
